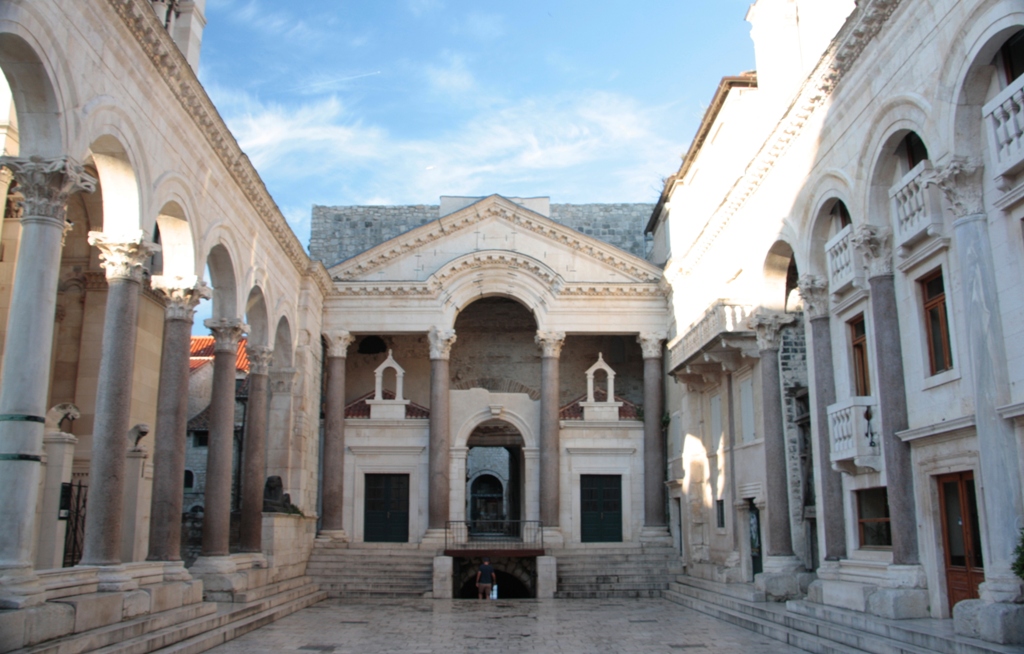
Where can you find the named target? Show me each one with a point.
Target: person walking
(485, 578)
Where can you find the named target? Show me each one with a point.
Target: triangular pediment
(496, 232)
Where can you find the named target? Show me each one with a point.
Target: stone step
(329, 564)
(612, 579)
(745, 592)
(608, 594)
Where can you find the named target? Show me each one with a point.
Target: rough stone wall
(340, 233)
(793, 369)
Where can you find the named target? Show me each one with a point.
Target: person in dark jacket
(485, 578)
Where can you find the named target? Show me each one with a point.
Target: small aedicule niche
(383, 409)
(609, 409)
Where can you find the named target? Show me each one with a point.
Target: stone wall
(339, 233)
(793, 369)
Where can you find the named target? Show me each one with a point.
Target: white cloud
(485, 27)
(452, 76)
(420, 7)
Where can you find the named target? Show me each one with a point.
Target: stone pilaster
(550, 450)
(441, 341)
(46, 185)
(654, 445)
(814, 291)
(182, 295)
(334, 435)
(254, 448)
(122, 258)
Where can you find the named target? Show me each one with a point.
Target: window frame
(860, 362)
(928, 304)
(858, 495)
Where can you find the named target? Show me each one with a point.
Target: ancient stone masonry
(793, 368)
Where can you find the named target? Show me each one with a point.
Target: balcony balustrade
(845, 264)
(853, 432)
(917, 209)
(1004, 123)
(722, 317)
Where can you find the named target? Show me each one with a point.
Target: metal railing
(494, 535)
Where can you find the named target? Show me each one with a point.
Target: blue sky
(401, 101)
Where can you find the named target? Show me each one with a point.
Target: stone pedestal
(547, 577)
(333, 478)
(443, 571)
(783, 578)
(60, 452)
(224, 576)
(138, 488)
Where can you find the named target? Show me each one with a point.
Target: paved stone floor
(424, 626)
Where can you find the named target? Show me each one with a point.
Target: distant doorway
(494, 479)
(386, 516)
(601, 508)
(961, 536)
(755, 538)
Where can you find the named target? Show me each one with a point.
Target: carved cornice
(501, 260)
(386, 290)
(960, 183)
(226, 333)
(650, 344)
(46, 184)
(338, 341)
(181, 295)
(814, 291)
(614, 290)
(260, 357)
(875, 246)
(319, 275)
(441, 341)
(767, 325)
(433, 290)
(550, 343)
(122, 255)
(861, 27)
(158, 46)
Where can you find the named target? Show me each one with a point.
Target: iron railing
(494, 535)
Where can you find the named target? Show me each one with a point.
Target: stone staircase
(823, 629)
(372, 569)
(605, 572)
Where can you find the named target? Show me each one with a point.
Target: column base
(553, 537)
(336, 535)
(20, 588)
(656, 535)
(433, 539)
(175, 571)
(115, 578)
(784, 578)
(443, 571)
(224, 576)
(996, 622)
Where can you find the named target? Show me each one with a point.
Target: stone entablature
(724, 317)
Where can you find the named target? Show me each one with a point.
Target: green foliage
(1018, 557)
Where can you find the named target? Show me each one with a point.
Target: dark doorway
(387, 509)
(755, 538)
(601, 508)
(487, 499)
(961, 536)
(509, 585)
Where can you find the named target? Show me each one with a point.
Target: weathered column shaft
(123, 262)
(550, 460)
(254, 449)
(46, 186)
(217, 510)
(172, 417)
(439, 465)
(334, 432)
(654, 444)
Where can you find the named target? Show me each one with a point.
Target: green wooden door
(601, 508)
(387, 509)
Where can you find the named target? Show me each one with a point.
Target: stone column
(334, 436)
(254, 449)
(217, 513)
(550, 466)
(182, 296)
(46, 185)
(814, 291)
(654, 445)
(998, 615)
(121, 256)
(441, 341)
(875, 245)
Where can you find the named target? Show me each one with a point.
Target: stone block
(166, 596)
(12, 629)
(778, 586)
(256, 577)
(995, 622)
(192, 592)
(846, 594)
(899, 603)
(547, 577)
(49, 621)
(136, 603)
(443, 570)
(815, 592)
(95, 610)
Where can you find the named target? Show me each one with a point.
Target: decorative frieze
(338, 341)
(550, 343)
(181, 295)
(46, 184)
(814, 291)
(875, 246)
(260, 358)
(226, 333)
(650, 344)
(441, 341)
(767, 325)
(122, 255)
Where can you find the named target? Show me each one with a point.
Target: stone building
(796, 375)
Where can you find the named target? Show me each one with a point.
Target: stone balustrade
(916, 207)
(854, 435)
(1004, 124)
(724, 316)
(845, 264)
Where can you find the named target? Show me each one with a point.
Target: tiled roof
(202, 351)
(573, 410)
(360, 409)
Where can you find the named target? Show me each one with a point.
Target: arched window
(1012, 56)
(372, 345)
(190, 479)
(912, 150)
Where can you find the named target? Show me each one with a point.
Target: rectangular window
(720, 513)
(936, 325)
(873, 518)
(1013, 56)
(716, 423)
(747, 409)
(859, 347)
(200, 439)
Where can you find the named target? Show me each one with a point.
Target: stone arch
(283, 344)
(530, 439)
(221, 268)
(256, 318)
(119, 186)
(172, 196)
(816, 222)
(177, 251)
(33, 90)
(779, 280)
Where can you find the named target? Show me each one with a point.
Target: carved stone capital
(226, 333)
(441, 341)
(260, 357)
(46, 185)
(122, 255)
(814, 291)
(550, 343)
(337, 343)
(875, 246)
(182, 295)
(960, 183)
(650, 343)
(767, 325)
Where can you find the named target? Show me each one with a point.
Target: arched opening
(495, 347)
(514, 576)
(780, 277)
(176, 257)
(487, 494)
(371, 345)
(495, 481)
(221, 272)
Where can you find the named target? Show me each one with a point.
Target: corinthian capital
(767, 325)
(46, 185)
(182, 295)
(550, 343)
(960, 182)
(338, 341)
(441, 341)
(814, 291)
(226, 333)
(260, 357)
(122, 255)
(875, 245)
(650, 343)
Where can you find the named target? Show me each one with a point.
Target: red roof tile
(202, 351)
(360, 409)
(573, 410)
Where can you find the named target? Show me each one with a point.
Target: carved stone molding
(226, 333)
(961, 183)
(814, 291)
(283, 380)
(441, 341)
(181, 295)
(121, 255)
(875, 246)
(550, 343)
(337, 343)
(767, 326)
(650, 344)
(260, 358)
(46, 184)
